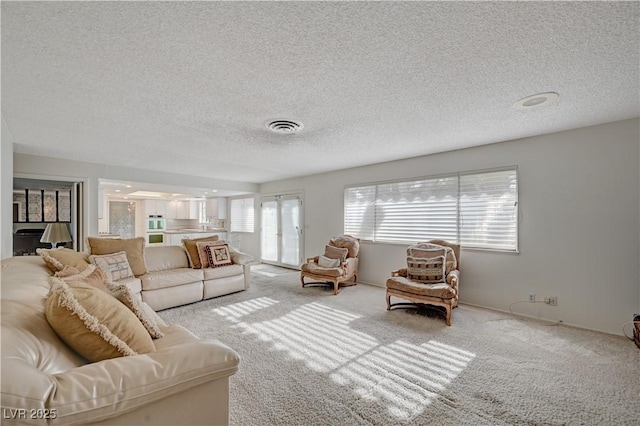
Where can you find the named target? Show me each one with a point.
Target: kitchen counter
(196, 231)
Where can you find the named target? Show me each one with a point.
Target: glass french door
(281, 237)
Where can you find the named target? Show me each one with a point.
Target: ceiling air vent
(284, 126)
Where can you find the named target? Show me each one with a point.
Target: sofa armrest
(108, 388)
(241, 258)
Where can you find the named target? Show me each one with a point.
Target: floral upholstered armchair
(337, 266)
(432, 277)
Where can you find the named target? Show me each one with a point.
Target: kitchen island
(175, 237)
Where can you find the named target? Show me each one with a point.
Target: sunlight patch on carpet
(236, 311)
(405, 377)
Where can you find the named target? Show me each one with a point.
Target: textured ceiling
(187, 87)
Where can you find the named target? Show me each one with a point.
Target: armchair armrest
(312, 259)
(402, 272)
(101, 390)
(453, 278)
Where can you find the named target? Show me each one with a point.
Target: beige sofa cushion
(222, 272)
(440, 290)
(134, 247)
(57, 259)
(95, 324)
(170, 278)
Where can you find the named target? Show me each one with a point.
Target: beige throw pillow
(218, 256)
(95, 277)
(115, 265)
(141, 310)
(190, 246)
(56, 259)
(134, 247)
(92, 275)
(336, 252)
(327, 262)
(93, 323)
(202, 253)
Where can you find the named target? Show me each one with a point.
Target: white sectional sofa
(170, 281)
(183, 381)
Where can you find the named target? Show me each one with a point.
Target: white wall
(579, 234)
(6, 192)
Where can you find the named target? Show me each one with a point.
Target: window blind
(417, 210)
(489, 209)
(475, 209)
(242, 215)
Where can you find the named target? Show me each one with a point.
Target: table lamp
(55, 233)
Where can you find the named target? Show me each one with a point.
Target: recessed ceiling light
(284, 126)
(533, 101)
(117, 190)
(128, 186)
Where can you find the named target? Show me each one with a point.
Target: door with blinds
(281, 236)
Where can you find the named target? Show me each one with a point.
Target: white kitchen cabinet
(172, 209)
(185, 209)
(217, 207)
(155, 207)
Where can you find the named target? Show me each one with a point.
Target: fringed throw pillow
(93, 323)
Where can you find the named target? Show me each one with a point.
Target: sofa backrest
(31, 350)
(159, 258)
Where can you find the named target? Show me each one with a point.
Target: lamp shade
(55, 233)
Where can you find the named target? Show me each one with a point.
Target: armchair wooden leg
(388, 302)
(448, 308)
(336, 287)
(302, 280)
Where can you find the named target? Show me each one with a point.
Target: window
(475, 209)
(242, 215)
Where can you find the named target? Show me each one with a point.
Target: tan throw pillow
(57, 259)
(190, 246)
(202, 254)
(218, 256)
(146, 316)
(93, 323)
(92, 275)
(134, 247)
(336, 252)
(115, 265)
(95, 277)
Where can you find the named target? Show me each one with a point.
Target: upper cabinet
(187, 209)
(155, 207)
(217, 208)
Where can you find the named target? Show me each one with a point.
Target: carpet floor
(311, 358)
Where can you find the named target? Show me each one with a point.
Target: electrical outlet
(553, 301)
(532, 297)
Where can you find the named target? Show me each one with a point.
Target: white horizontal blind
(359, 211)
(489, 209)
(417, 210)
(242, 215)
(477, 210)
